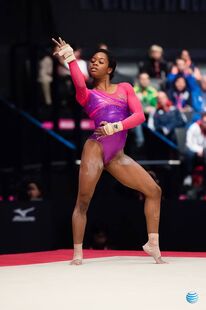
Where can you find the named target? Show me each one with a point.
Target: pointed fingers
(60, 40)
(55, 41)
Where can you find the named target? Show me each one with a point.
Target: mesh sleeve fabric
(137, 117)
(82, 91)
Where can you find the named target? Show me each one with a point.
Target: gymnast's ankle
(77, 255)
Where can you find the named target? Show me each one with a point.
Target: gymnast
(114, 108)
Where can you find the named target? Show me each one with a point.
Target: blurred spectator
(146, 93)
(196, 191)
(45, 78)
(203, 91)
(99, 238)
(167, 117)
(180, 95)
(34, 191)
(103, 46)
(183, 65)
(63, 86)
(148, 97)
(185, 55)
(181, 70)
(30, 189)
(196, 96)
(195, 147)
(155, 66)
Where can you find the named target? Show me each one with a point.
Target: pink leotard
(122, 105)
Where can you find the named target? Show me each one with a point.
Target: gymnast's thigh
(91, 167)
(131, 174)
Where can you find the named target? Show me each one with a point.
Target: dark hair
(111, 59)
(180, 77)
(140, 73)
(179, 58)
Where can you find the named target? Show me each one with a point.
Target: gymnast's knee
(82, 204)
(155, 192)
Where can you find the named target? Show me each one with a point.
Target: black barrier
(25, 226)
(182, 225)
(115, 214)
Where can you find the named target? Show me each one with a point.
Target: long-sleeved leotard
(122, 105)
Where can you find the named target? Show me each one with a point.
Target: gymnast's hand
(100, 131)
(64, 50)
(108, 129)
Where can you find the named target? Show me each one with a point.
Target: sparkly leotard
(122, 105)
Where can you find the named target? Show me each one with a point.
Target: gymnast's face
(99, 66)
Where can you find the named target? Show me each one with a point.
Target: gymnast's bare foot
(76, 261)
(154, 251)
(77, 254)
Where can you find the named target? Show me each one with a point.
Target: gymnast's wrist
(111, 128)
(67, 53)
(117, 126)
(69, 58)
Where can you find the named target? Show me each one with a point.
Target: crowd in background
(173, 96)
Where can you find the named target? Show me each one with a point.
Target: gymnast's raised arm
(65, 51)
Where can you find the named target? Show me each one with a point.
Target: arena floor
(110, 280)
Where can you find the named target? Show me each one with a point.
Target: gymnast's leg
(131, 174)
(90, 171)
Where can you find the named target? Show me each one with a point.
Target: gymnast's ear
(109, 70)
